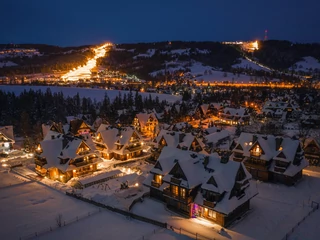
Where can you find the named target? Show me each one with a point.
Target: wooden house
(6, 138)
(270, 158)
(147, 124)
(119, 143)
(181, 140)
(66, 156)
(312, 151)
(201, 186)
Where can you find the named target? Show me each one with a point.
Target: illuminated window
(182, 192)
(257, 149)
(174, 190)
(212, 214)
(158, 178)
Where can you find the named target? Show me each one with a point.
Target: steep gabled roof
(143, 118)
(7, 131)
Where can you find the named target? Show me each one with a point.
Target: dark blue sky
(77, 22)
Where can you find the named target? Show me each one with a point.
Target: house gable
(281, 155)
(158, 165)
(177, 172)
(239, 147)
(212, 181)
(256, 147)
(82, 148)
(3, 137)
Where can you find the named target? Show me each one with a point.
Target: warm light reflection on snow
(85, 71)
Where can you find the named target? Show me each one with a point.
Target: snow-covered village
(159, 120)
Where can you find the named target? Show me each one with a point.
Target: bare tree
(59, 220)
(304, 132)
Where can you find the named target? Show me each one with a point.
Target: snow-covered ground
(308, 64)
(30, 207)
(7, 64)
(244, 63)
(92, 93)
(107, 225)
(9, 179)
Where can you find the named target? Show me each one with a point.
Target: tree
(304, 132)
(238, 130)
(186, 96)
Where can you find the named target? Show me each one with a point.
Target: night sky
(79, 22)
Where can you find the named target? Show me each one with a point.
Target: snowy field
(7, 64)
(108, 225)
(8, 179)
(244, 63)
(308, 64)
(92, 93)
(30, 207)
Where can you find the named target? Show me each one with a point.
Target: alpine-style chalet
(61, 157)
(270, 158)
(146, 124)
(199, 185)
(312, 151)
(234, 116)
(181, 140)
(6, 138)
(118, 143)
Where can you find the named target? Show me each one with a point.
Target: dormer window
(257, 150)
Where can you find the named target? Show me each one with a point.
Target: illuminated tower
(265, 35)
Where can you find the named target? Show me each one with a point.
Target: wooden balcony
(239, 185)
(83, 163)
(208, 203)
(238, 158)
(84, 152)
(257, 163)
(40, 162)
(155, 184)
(185, 200)
(175, 180)
(134, 148)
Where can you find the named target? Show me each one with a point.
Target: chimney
(278, 142)
(254, 138)
(181, 136)
(224, 158)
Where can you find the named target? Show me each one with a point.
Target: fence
(138, 200)
(314, 206)
(193, 235)
(120, 211)
(59, 223)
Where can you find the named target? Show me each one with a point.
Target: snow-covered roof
(63, 147)
(113, 136)
(205, 170)
(217, 136)
(241, 112)
(7, 131)
(272, 148)
(143, 118)
(177, 139)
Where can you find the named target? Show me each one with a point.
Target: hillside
(211, 61)
(40, 58)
